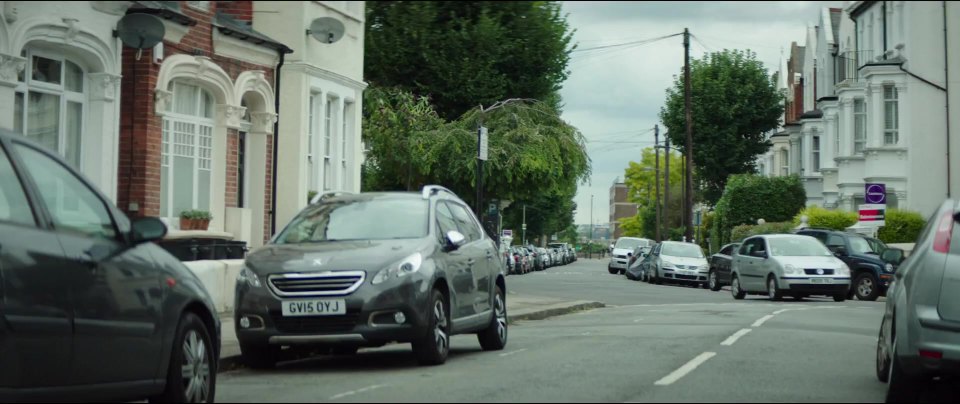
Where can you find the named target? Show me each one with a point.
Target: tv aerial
(140, 31)
(326, 29)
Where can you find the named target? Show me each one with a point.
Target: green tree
(534, 156)
(464, 54)
(733, 103)
(640, 179)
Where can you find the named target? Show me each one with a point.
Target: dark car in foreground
(90, 309)
(920, 333)
(364, 270)
(721, 265)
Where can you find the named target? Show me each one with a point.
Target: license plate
(295, 308)
(821, 280)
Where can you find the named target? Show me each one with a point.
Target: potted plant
(310, 195)
(195, 219)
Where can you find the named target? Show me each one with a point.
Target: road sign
(873, 214)
(696, 218)
(875, 194)
(482, 153)
(507, 233)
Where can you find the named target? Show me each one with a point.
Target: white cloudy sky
(614, 96)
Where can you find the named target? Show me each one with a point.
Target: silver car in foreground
(920, 332)
(788, 264)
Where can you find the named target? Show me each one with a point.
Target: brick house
(620, 207)
(197, 119)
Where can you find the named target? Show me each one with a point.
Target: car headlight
(791, 269)
(703, 268)
(844, 270)
(248, 276)
(668, 264)
(402, 268)
(888, 267)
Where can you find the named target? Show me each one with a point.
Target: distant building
(620, 207)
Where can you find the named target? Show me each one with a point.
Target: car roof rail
(322, 196)
(430, 190)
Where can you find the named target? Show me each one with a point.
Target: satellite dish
(326, 29)
(140, 31)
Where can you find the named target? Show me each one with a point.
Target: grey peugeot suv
(364, 270)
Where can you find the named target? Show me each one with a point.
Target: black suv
(90, 309)
(364, 270)
(872, 274)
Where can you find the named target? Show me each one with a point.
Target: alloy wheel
(772, 289)
(501, 313)
(865, 287)
(440, 336)
(195, 369)
(713, 280)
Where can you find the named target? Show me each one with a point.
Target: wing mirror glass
(147, 229)
(455, 240)
(893, 255)
(759, 254)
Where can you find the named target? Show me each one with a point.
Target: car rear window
(373, 219)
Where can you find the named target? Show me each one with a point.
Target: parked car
(563, 252)
(363, 270)
(679, 262)
(871, 274)
(618, 253)
(539, 260)
(646, 268)
(720, 266)
(920, 332)
(788, 264)
(92, 309)
(639, 260)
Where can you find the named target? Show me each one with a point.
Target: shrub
(310, 195)
(743, 231)
(196, 215)
(902, 227)
(748, 197)
(830, 219)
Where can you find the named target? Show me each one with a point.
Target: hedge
(830, 219)
(749, 197)
(743, 231)
(901, 227)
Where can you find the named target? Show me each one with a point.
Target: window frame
(471, 237)
(815, 152)
(893, 102)
(167, 146)
(65, 97)
(19, 179)
(859, 126)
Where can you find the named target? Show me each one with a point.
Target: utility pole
(656, 148)
(591, 226)
(524, 226)
(688, 149)
(666, 187)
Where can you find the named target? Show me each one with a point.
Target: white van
(619, 256)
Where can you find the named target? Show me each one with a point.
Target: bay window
(187, 151)
(859, 126)
(328, 146)
(816, 153)
(891, 119)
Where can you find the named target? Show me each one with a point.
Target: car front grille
(813, 271)
(330, 283)
(620, 256)
(315, 324)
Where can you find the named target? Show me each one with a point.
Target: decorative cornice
(72, 29)
(230, 115)
(104, 86)
(10, 67)
(262, 122)
(326, 74)
(162, 101)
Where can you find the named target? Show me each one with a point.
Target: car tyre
(434, 347)
(902, 387)
(735, 289)
(192, 376)
(883, 358)
(494, 337)
(773, 291)
(612, 270)
(714, 282)
(866, 287)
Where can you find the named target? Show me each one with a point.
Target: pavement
(648, 343)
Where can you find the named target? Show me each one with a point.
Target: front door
(750, 267)
(115, 287)
(477, 300)
(35, 318)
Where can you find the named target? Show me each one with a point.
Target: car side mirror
(147, 229)
(839, 251)
(759, 254)
(455, 240)
(629, 254)
(893, 255)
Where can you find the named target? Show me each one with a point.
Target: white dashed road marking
(685, 369)
(350, 393)
(737, 335)
(762, 320)
(513, 352)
